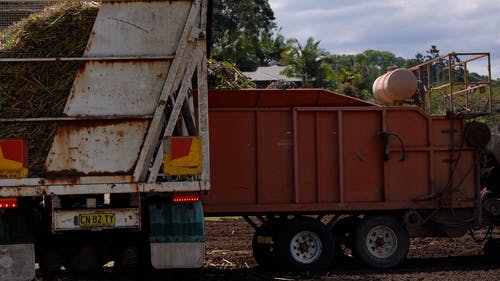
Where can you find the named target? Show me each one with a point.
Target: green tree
(233, 48)
(271, 47)
(308, 62)
(419, 58)
(350, 83)
(432, 53)
(356, 73)
(238, 29)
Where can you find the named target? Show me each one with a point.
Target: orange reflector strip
(186, 197)
(8, 203)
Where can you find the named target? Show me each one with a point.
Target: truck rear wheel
(381, 241)
(51, 260)
(305, 244)
(84, 259)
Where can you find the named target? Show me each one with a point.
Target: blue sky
(399, 26)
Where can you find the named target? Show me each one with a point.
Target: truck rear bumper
(39, 187)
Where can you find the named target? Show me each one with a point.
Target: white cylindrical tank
(395, 85)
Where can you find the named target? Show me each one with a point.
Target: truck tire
(381, 242)
(305, 244)
(51, 260)
(84, 259)
(264, 252)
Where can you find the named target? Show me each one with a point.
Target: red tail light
(186, 197)
(6, 203)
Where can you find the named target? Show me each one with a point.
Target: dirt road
(229, 257)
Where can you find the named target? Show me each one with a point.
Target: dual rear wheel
(304, 243)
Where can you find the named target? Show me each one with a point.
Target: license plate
(93, 220)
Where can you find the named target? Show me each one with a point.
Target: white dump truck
(129, 156)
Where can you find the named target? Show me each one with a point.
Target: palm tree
(309, 62)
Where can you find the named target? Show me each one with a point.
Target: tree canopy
(308, 62)
(243, 33)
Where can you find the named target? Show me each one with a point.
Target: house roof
(270, 73)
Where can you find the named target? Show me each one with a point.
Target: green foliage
(243, 33)
(308, 62)
(271, 46)
(493, 120)
(363, 69)
(496, 83)
(350, 84)
(237, 50)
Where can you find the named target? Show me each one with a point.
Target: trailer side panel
(273, 156)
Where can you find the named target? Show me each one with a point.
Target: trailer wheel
(305, 244)
(381, 241)
(264, 251)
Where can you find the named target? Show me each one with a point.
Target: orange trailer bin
(310, 170)
(314, 150)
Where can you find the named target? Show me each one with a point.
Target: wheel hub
(381, 241)
(305, 247)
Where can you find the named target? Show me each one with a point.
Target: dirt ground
(229, 257)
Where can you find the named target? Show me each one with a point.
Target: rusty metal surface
(127, 67)
(19, 188)
(118, 88)
(142, 28)
(64, 181)
(447, 76)
(95, 148)
(295, 156)
(104, 88)
(192, 41)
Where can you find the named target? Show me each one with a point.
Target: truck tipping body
(103, 172)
